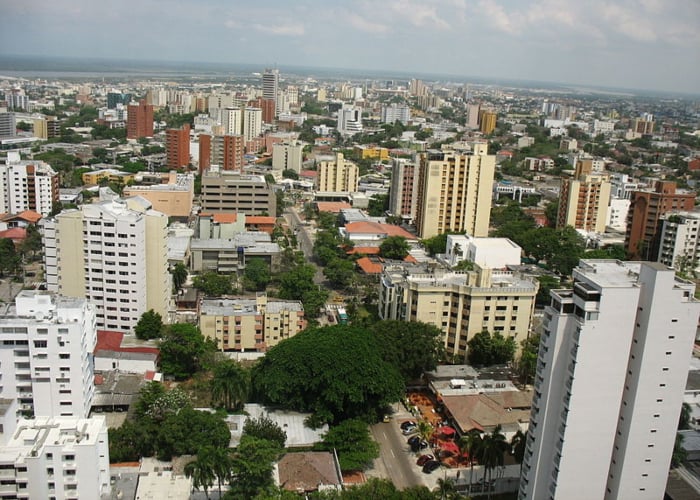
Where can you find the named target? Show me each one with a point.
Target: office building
(617, 214)
(56, 457)
(643, 126)
(177, 147)
(487, 121)
(403, 193)
(611, 373)
(584, 199)
(646, 208)
(252, 123)
(270, 86)
(337, 174)
(46, 354)
(27, 185)
(139, 120)
(349, 120)
(174, 196)
(460, 304)
(8, 125)
(250, 325)
(454, 192)
(231, 191)
(116, 98)
(229, 255)
(114, 253)
(680, 247)
(287, 156)
(396, 113)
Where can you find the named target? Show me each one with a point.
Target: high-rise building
(349, 120)
(139, 120)
(403, 193)
(584, 199)
(643, 126)
(177, 147)
(27, 185)
(252, 123)
(232, 120)
(204, 152)
(611, 373)
(46, 354)
(227, 152)
(646, 207)
(680, 241)
(115, 98)
(396, 113)
(455, 191)
(473, 116)
(270, 85)
(337, 174)
(231, 191)
(114, 253)
(487, 121)
(287, 156)
(8, 125)
(461, 304)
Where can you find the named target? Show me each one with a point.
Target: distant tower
(270, 85)
(139, 122)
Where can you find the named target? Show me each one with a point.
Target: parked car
(423, 459)
(408, 423)
(430, 466)
(413, 439)
(421, 444)
(409, 430)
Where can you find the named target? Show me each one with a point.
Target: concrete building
(114, 253)
(617, 214)
(231, 191)
(252, 123)
(27, 185)
(487, 121)
(492, 253)
(204, 153)
(349, 120)
(224, 151)
(611, 372)
(270, 86)
(229, 255)
(250, 325)
(110, 174)
(646, 208)
(454, 192)
(403, 193)
(139, 122)
(396, 113)
(56, 457)
(232, 120)
(461, 304)
(337, 175)
(680, 247)
(583, 202)
(8, 125)
(174, 197)
(215, 226)
(46, 354)
(177, 147)
(287, 156)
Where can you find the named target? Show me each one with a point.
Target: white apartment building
(611, 373)
(232, 121)
(679, 247)
(396, 112)
(492, 253)
(27, 185)
(252, 123)
(349, 120)
(623, 186)
(602, 127)
(287, 156)
(114, 253)
(57, 458)
(46, 354)
(336, 175)
(617, 214)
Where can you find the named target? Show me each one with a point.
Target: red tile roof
(363, 250)
(259, 219)
(370, 266)
(368, 227)
(28, 215)
(14, 233)
(112, 341)
(332, 206)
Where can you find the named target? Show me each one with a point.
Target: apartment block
(583, 202)
(252, 123)
(337, 174)
(231, 191)
(396, 113)
(611, 373)
(177, 147)
(487, 121)
(679, 241)
(224, 151)
(174, 197)
(250, 325)
(139, 121)
(114, 253)
(454, 192)
(287, 156)
(461, 304)
(46, 354)
(403, 193)
(27, 185)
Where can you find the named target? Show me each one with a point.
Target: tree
(425, 430)
(493, 447)
(339, 272)
(10, 262)
(298, 284)
(187, 431)
(486, 349)
(546, 283)
(378, 205)
(445, 488)
(527, 364)
(518, 444)
(352, 441)
(412, 347)
(201, 470)
(685, 417)
(470, 444)
(394, 247)
(290, 174)
(213, 284)
(149, 326)
(252, 466)
(265, 428)
(230, 384)
(551, 210)
(180, 274)
(31, 243)
(183, 350)
(436, 244)
(336, 372)
(256, 275)
(679, 454)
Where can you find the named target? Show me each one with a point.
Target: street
(304, 239)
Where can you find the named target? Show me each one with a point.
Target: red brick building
(177, 147)
(139, 121)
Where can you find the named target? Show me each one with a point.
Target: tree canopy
(149, 326)
(213, 284)
(486, 349)
(265, 428)
(354, 444)
(183, 350)
(394, 247)
(298, 284)
(256, 275)
(336, 372)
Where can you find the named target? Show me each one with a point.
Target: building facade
(113, 253)
(611, 372)
(252, 123)
(396, 113)
(287, 156)
(139, 120)
(679, 246)
(270, 86)
(27, 185)
(454, 192)
(177, 147)
(583, 202)
(174, 197)
(349, 120)
(337, 175)
(231, 191)
(250, 325)
(403, 193)
(461, 304)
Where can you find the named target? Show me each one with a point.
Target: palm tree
(446, 488)
(517, 447)
(230, 384)
(470, 443)
(222, 465)
(425, 430)
(179, 275)
(201, 470)
(493, 447)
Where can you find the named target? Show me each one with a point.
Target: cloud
(419, 14)
(363, 24)
(281, 29)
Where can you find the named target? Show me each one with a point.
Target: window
(40, 343)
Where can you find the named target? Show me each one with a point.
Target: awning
(446, 431)
(450, 446)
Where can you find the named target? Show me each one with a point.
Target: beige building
(110, 174)
(173, 198)
(584, 199)
(337, 175)
(461, 304)
(250, 325)
(114, 253)
(454, 192)
(287, 156)
(231, 191)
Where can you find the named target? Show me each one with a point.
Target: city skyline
(645, 44)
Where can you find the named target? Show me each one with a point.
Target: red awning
(450, 446)
(446, 431)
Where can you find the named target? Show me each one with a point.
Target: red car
(423, 459)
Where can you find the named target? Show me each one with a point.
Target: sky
(635, 44)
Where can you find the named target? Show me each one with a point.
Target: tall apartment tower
(270, 85)
(204, 160)
(646, 207)
(46, 354)
(27, 185)
(8, 125)
(454, 192)
(337, 175)
(403, 192)
(177, 147)
(232, 120)
(114, 253)
(287, 156)
(680, 240)
(611, 373)
(584, 199)
(252, 123)
(139, 120)
(487, 121)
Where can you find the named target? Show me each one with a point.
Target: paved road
(305, 240)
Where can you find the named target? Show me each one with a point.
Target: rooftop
(243, 306)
